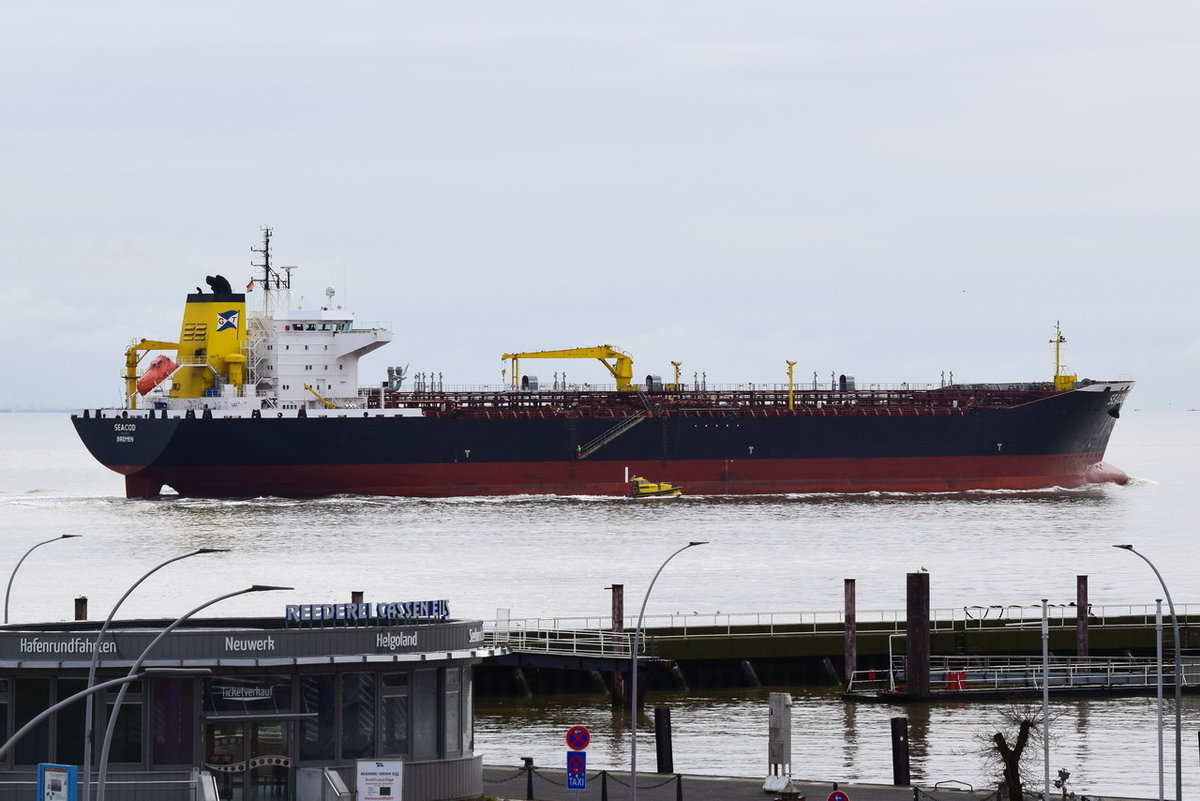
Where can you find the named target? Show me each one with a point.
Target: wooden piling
(618, 627)
(662, 739)
(850, 663)
(1081, 617)
(918, 646)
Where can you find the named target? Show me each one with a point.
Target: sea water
(540, 557)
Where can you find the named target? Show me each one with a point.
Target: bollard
(528, 777)
(662, 739)
(900, 763)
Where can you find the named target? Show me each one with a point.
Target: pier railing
(733, 624)
(560, 641)
(977, 673)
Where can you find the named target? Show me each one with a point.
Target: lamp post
(88, 737)
(137, 665)
(633, 674)
(1046, 693)
(1158, 690)
(22, 559)
(1178, 675)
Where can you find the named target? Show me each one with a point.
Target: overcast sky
(885, 189)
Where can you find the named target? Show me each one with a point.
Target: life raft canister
(159, 369)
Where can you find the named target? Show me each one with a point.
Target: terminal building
(292, 707)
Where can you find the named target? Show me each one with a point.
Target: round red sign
(578, 738)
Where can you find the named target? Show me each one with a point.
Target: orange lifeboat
(159, 369)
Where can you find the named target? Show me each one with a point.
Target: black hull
(1052, 441)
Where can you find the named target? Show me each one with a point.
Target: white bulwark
(292, 703)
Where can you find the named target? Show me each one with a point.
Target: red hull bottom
(717, 477)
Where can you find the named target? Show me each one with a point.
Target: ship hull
(1056, 441)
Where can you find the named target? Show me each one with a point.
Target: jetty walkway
(971, 648)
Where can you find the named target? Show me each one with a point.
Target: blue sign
(577, 770)
(57, 782)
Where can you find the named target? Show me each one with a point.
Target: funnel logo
(227, 320)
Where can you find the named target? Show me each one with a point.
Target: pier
(971, 648)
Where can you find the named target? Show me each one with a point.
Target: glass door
(249, 760)
(225, 757)
(269, 763)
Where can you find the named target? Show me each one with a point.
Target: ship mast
(272, 281)
(1062, 381)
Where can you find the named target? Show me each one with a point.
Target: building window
(453, 708)
(468, 716)
(172, 716)
(425, 714)
(358, 715)
(318, 695)
(4, 701)
(31, 696)
(69, 724)
(395, 715)
(127, 736)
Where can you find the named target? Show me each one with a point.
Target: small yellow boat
(642, 488)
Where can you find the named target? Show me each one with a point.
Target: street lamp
(137, 665)
(22, 559)
(633, 673)
(1046, 693)
(1178, 675)
(88, 738)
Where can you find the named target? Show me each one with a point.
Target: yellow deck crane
(328, 404)
(621, 366)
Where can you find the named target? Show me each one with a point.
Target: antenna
(1057, 342)
(265, 252)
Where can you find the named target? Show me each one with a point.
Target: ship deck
(673, 402)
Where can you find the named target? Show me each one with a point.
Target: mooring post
(850, 634)
(1081, 616)
(618, 627)
(917, 655)
(662, 739)
(900, 764)
(528, 768)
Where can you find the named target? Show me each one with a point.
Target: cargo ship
(268, 403)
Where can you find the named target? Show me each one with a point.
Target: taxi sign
(577, 770)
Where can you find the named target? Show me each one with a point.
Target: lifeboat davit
(160, 368)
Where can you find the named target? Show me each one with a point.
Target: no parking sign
(578, 738)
